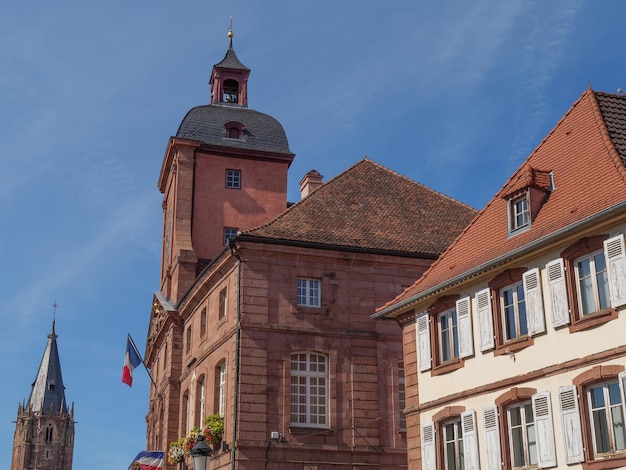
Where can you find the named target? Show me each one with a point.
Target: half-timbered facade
(514, 342)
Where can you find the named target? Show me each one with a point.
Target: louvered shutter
(534, 302)
(485, 319)
(622, 385)
(492, 438)
(470, 440)
(423, 340)
(464, 318)
(558, 293)
(570, 420)
(429, 455)
(542, 413)
(616, 269)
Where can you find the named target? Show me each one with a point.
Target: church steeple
(44, 429)
(48, 392)
(229, 79)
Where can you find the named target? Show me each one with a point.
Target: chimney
(311, 181)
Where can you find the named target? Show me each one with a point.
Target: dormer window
(524, 196)
(234, 130)
(231, 91)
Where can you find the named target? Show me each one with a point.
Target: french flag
(148, 461)
(131, 361)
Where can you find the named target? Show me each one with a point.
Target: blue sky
(453, 94)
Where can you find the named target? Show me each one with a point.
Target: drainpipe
(233, 451)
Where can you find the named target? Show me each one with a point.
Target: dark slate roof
(230, 61)
(43, 396)
(613, 109)
(371, 207)
(206, 124)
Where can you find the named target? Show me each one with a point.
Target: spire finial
(230, 33)
(54, 316)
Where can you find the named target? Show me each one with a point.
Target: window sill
(615, 461)
(514, 346)
(447, 367)
(309, 431)
(593, 320)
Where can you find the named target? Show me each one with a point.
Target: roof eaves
(491, 264)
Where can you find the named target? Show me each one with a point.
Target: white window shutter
(492, 438)
(622, 386)
(423, 341)
(534, 302)
(542, 413)
(470, 440)
(570, 420)
(485, 319)
(558, 293)
(429, 454)
(616, 269)
(464, 319)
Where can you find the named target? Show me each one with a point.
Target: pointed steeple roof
(48, 392)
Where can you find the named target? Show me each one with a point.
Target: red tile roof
(586, 153)
(369, 206)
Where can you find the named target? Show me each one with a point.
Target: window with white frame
(308, 294)
(592, 283)
(221, 391)
(201, 401)
(309, 389)
(448, 336)
(230, 232)
(233, 179)
(522, 435)
(452, 436)
(513, 305)
(519, 213)
(606, 415)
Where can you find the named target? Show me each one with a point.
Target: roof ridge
(301, 201)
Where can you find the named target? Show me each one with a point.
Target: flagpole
(132, 343)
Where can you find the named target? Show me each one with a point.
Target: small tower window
(231, 91)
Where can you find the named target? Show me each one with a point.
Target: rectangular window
(401, 396)
(452, 436)
(309, 390)
(591, 283)
(188, 340)
(448, 336)
(229, 232)
(202, 401)
(519, 214)
(522, 438)
(223, 304)
(606, 413)
(309, 292)
(222, 390)
(233, 179)
(203, 322)
(513, 304)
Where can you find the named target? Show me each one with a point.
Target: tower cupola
(229, 79)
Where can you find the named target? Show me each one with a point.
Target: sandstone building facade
(263, 312)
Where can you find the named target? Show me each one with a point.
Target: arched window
(49, 434)
(220, 388)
